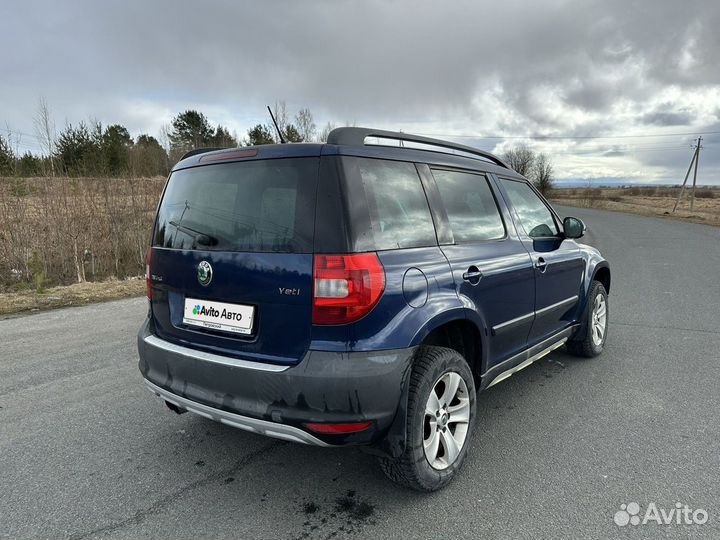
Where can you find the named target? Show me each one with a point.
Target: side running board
(520, 361)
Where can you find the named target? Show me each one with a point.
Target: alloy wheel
(599, 320)
(446, 422)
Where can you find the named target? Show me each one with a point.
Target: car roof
(265, 151)
(448, 154)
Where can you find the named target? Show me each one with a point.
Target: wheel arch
(460, 334)
(601, 273)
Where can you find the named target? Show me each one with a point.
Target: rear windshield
(251, 206)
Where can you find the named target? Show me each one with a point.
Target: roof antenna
(282, 139)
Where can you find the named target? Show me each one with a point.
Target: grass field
(646, 201)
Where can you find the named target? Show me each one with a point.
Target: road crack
(141, 515)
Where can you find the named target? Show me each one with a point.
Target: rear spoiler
(200, 151)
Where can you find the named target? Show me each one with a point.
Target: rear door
(491, 268)
(231, 262)
(558, 262)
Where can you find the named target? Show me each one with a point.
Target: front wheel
(590, 340)
(440, 420)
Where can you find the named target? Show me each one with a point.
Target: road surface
(87, 452)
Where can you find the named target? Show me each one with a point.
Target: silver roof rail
(355, 136)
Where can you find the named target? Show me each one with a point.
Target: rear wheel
(590, 341)
(440, 419)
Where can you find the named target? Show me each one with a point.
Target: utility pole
(697, 159)
(693, 161)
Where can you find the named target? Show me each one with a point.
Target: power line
(603, 152)
(568, 137)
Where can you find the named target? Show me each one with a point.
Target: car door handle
(472, 275)
(541, 264)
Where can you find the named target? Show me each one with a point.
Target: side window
(535, 216)
(470, 206)
(399, 212)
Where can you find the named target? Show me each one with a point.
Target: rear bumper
(326, 387)
(271, 429)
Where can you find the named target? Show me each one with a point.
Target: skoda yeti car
(351, 293)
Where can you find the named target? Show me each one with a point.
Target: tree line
(88, 149)
(91, 149)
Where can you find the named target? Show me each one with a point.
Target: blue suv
(360, 294)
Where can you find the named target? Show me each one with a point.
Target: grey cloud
(668, 118)
(394, 64)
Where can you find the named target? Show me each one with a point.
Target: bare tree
(520, 159)
(305, 125)
(63, 230)
(164, 137)
(326, 131)
(45, 129)
(542, 173)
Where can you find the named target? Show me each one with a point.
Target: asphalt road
(87, 452)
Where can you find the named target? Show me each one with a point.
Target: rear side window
(535, 216)
(251, 206)
(390, 210)
(470, 206)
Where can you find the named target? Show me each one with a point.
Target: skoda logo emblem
(204, 273)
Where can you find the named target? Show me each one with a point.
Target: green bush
(37, 271)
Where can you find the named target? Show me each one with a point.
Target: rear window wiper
(200, 237)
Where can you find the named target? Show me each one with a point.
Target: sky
(613, 90)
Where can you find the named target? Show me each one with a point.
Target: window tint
(255, 206)
(395, 202)
(470, 206)
(535, 216)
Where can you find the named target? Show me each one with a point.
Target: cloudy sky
(614, 89)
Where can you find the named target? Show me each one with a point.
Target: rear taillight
(347, 287)
(148, 280)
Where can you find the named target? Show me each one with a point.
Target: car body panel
(253, 279)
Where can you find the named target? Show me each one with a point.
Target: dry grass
(646, 201)
(58, 231)
(70, 295)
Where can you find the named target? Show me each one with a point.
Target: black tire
(582, 344)
(412, 469)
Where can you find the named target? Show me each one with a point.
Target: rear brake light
(337, 429)
(347, 287)
(229, 155)
(148, 280)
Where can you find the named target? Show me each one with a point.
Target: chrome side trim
(512, 323)
(262, 427)
(154, 341)
(559, 305)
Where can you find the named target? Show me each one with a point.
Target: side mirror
(573, 227)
